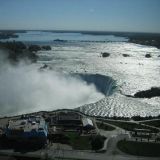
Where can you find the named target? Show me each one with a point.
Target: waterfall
(103, 84)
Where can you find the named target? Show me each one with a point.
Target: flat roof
(27, 124)
(87, 121)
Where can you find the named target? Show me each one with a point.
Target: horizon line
(68, 30)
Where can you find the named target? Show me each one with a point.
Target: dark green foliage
(130, 126)
(79, 142)
(153, 92)
(146, 39)
(47, 48)
(155, 123)
(7, 35)
(97, 142)
(139, 148)
(59, 138)
(13, 46)
(142, 136)
(21, 144)
(34, 48)
(139, 118)
(104, 126)
(73, 139)
(17, 51)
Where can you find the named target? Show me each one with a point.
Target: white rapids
(80, 54)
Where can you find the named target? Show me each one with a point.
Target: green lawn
(104, 126)
(155, 123)
(79, 142)
(64, 158)
(139, 148)
(130, 126)
(142, 136)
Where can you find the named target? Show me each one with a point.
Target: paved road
(94, 156)
(137, 122)
(112, 153)
(82, 155)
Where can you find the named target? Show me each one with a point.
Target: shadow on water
(104, 84)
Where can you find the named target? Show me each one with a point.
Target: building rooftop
(27, 124)
(68, 115)
(87, 122)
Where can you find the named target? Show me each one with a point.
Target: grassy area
(142, 136)
(85, 142)
(155, 123)
(104, 126)
(139, 148)
(79, 142)
(130, 126)
(64, 158)
(6, 157)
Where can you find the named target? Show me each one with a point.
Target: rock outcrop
(153, 92)
(148, 56)
(105, 54)
(125, 55)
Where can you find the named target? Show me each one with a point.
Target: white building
(87, 123)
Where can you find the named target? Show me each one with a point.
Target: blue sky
(101, 15)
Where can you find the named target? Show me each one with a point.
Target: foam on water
(131, 73)
(25, 89)
(120, 106)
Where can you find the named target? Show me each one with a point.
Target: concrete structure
(87, 123)
(68, 117)
(28, 128)
(1, 132)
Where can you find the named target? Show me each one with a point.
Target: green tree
(97, 142)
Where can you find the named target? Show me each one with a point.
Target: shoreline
(122, 131)
(127, 118)
(135, 118)
(148, 39)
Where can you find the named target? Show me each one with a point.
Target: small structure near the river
(25, 129)
(68, 117)
(87, 124)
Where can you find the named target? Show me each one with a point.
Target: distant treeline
(18, 50)
(6, 34)
(149, 40)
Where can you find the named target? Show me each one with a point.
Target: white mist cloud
(24, 89)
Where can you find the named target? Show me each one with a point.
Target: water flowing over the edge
(103, 84)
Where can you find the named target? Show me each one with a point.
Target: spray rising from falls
(24, 89)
